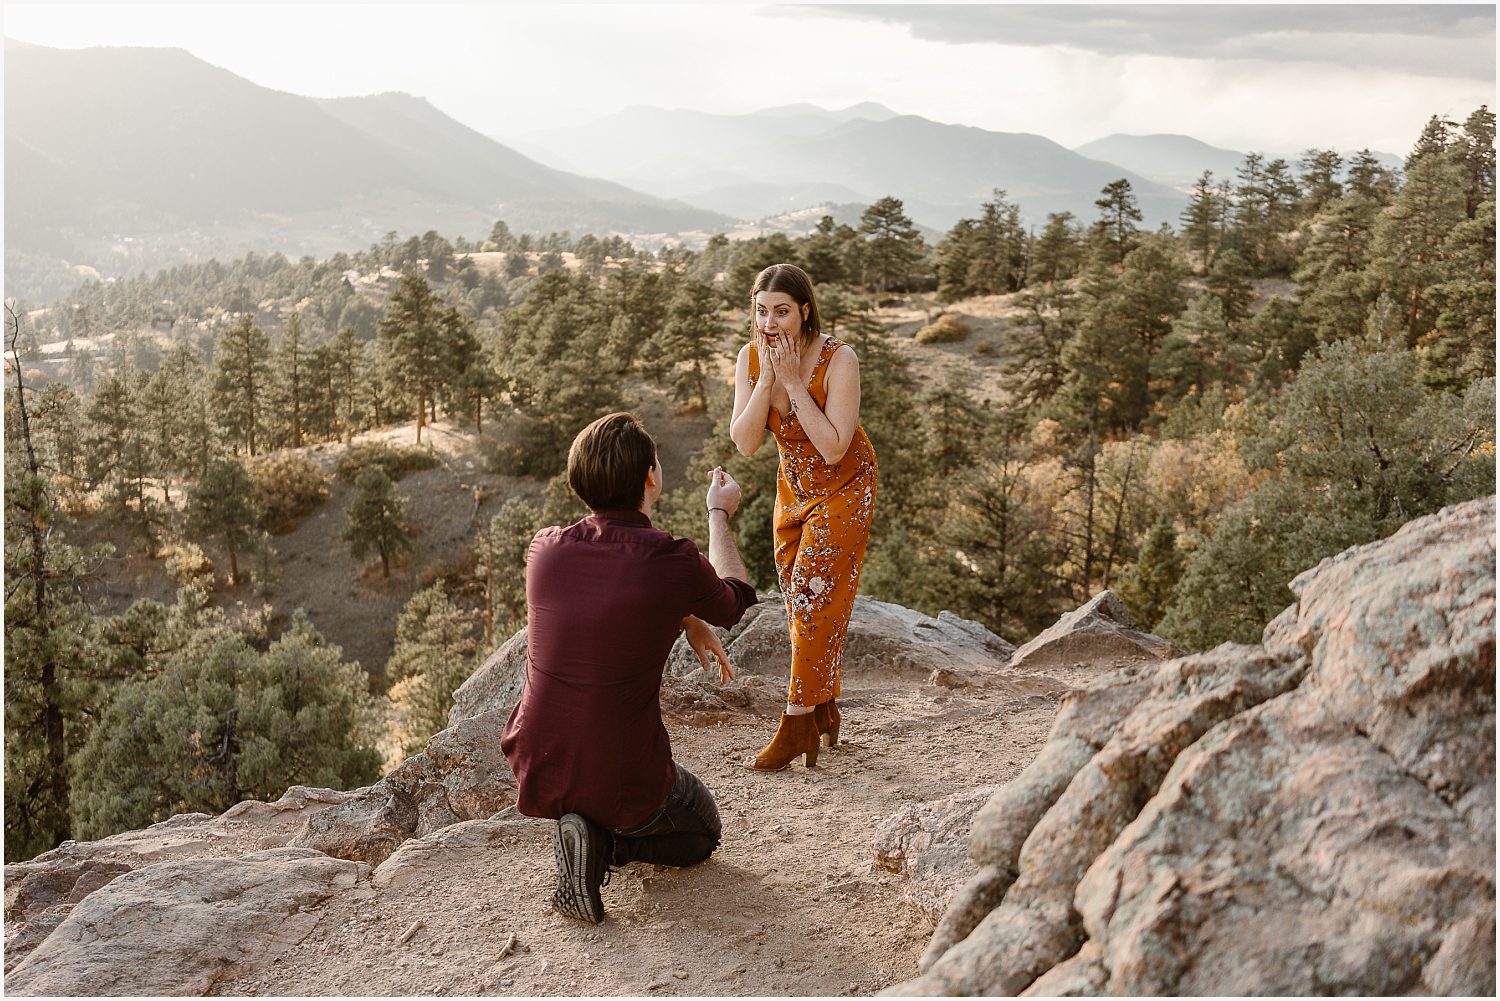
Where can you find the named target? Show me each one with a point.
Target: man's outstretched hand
(723, 491)
(704, 641)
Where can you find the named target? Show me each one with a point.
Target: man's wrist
(723, 511)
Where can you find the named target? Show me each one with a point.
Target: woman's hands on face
(767, 367)
(785, 357)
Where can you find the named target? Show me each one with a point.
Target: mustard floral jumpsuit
(822, 525)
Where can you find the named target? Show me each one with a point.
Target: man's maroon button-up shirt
(605, 600)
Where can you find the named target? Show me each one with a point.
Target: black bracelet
(726, 513)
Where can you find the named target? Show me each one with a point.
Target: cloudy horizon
(1277, 79)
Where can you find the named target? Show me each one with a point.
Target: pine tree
(998, 262)
(1407, 244)
(1201, 220)
(221, 506)
(504, 548)
(892, 243)
(1461, 346)
(1034, 371)
(242, 383)
(1321, 169)
(1334, 289)
(435, 652)
(1194, 356)
(49, 638)
(688, 341)
(823, 253)
(1118, 214)
(951, 417)
(291, 383)
(999, 534)
(1057, 252)
(164, 418)
(552, 352)
(1368, 178)
(413, 338)
(1477, 150)
(119, 457)
(217, 723)
(955, 258)
(377, 520)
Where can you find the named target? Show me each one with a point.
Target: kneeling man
(605, 600)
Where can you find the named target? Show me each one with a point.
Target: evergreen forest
(1190, 416)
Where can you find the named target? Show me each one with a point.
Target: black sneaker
(581, 850)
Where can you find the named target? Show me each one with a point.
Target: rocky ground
(1088, 814)
(811, 893)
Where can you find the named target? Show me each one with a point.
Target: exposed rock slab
(1097, 637)
(1311, 816)
(176, 928)
(928, 843)
(884, 640)
(496, 683)
(460, 775)
(39, 894)
(460, 841)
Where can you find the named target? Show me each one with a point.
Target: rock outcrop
(885, 640)
(460, 775)
(1314, 815)
(178, 927)
(41, 893)
(1095, 638)
(928, 843)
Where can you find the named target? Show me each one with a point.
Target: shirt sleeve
(720, 601)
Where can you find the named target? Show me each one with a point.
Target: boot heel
(795, 736)
(829, 719)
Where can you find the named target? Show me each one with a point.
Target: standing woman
(804, 388)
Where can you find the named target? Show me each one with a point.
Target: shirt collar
(624, 518)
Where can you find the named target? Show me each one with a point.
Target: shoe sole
(570, 850)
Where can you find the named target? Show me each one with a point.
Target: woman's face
(777, 315)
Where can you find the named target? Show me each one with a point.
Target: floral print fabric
(822, 525)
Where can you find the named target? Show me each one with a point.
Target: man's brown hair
(608, 462)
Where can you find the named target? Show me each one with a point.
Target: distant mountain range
(125, 159)
(771, 161)
(158, 146)
(1173, 160)
(1178, 161)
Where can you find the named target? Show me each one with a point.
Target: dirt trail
(791, 903)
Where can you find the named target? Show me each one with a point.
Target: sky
(1271, 78)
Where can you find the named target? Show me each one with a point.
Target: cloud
(1448, 40)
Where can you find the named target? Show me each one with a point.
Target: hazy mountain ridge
(1177, 160)
(767, 162)
(192, 160)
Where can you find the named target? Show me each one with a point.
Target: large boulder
(40, 894)
(1311, 816)
(885, 641)
(928, 843)
(178, 927)
(1094, 639)
(460, 775)
(496, 683)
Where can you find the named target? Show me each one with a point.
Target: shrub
(188, 566)
(394, 461)
(527, 446)
(946, 329)
(287, 486)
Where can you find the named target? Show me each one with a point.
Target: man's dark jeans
(684, 831)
